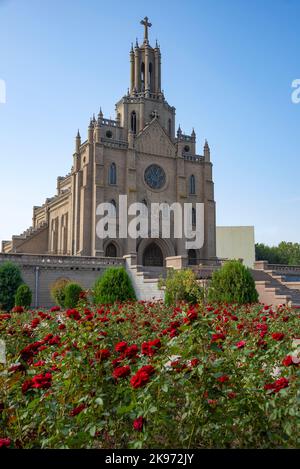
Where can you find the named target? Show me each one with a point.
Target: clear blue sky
(227, 65)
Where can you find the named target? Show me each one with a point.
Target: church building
(138, 154)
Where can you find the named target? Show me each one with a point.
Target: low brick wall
(40, 271)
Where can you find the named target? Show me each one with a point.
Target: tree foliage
(23, 296)
(58, 291)
(233, 283)
(181, 285)
(285, 253)
(72, 293)
(10, 280)
(113, 285)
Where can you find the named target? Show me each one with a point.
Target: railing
(110, 122)
(284, 268)
(114, 143)
(195, 158)
(202, 262)
(52, 260)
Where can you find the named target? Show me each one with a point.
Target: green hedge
(10, 280)
(114, 285)
(58, 291)
(23, 296)
(181, 285)
(233, 283)
(72, 293)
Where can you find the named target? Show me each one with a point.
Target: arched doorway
(153, 256)
(111, 250)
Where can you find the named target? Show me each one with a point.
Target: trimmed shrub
(233, 283)
(114, 285)
(72, 295)
(23, 296)
(58, 291)
(181, 285)
(10, 280)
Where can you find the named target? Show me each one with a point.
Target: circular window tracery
(155, 177)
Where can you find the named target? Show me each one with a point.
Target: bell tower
(145, 99)
(145, 62)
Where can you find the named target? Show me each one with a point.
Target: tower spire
(146, 25)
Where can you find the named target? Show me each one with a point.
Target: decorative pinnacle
(100, 113)
(78, 134)
(136, 43)
(131, 50)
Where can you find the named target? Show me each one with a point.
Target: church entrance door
(153, 256)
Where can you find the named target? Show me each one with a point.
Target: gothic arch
(112, 176)
(192, 184)
(165, 246)
(112, 248)
(133, 122)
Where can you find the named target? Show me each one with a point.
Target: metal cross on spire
(147, 25)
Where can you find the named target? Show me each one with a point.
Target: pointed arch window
(112, 179)
(111, 250)
(133, 122)
(143, 76)
(194, 216)
(150, 75)
(192, 184)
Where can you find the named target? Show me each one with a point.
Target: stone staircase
(273, 289)
(145, 281)
(18, 240)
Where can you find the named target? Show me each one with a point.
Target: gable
(154, 140)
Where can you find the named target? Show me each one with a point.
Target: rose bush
(144, 375)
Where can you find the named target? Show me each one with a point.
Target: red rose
(42, 381)
(73, 313)
(218, 337)
(192, 315)
(138, 424)
(121, 347)
(39, 363)
(121, 372)
(54, 341)
(279, 384)
(26, 385)
(18, 309)
(290, 360)
(61, 327)
(194, 362)
(5, 316)
(148, 369)
(77, 410)
(241, 344)
(231, 395)
(131, 351)
(174, 333)
(34, 323)
(277, 336)
(139, 379)
(102, 354)
(149, 348)
(54, 309)
(223, 379)
(4, 442)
